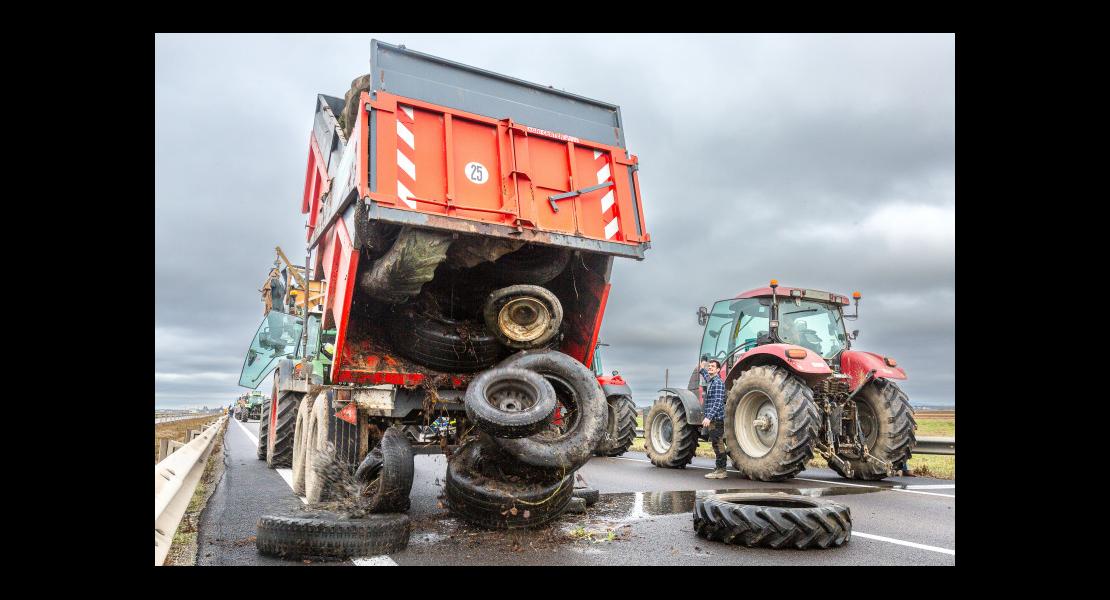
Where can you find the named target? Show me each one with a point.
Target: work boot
(717, 474)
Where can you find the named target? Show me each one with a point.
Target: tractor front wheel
(769, 427)
(669, 441)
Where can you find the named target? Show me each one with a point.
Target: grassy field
(176, 430)
(922, 465)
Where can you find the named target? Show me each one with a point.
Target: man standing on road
(714, 411)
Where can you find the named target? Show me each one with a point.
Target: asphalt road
(643, 517)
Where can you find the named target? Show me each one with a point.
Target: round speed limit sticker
(476, 172)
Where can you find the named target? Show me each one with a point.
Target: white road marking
(375, 561)
(879, 487)
(287, 475)
(253, 438)
(880, 538)
(941, 486)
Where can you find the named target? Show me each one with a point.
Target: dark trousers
(717, 440)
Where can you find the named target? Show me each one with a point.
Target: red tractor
(794, 386)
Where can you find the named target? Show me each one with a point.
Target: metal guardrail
(170, 418)
(175, 479)
(925, 445)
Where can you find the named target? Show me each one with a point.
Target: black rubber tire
(621, 426)
(325, 535)
(795, 433)
(684, 436)
(590, 495)
(895, 439)
(387, 472)
(578, 390)
(497, 299)
(443, 344)
(264, 423)
(318, 486)
(532, 264)
(479, 499)
(279, 452)
(534, 393)
(772, 520)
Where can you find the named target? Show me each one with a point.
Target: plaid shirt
(714, 408)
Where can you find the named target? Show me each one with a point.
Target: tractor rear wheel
(669, 441)
(886, 420)
(300, 443)
(264, 423)
(769, 426)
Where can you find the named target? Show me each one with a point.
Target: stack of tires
(520, 471)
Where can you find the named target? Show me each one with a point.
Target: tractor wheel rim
(867, 423)
(662, 430)
(523, 319)
(756, 424)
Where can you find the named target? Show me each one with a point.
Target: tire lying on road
(887, 423)
(769, 424)
(772, 520)
(443, 343)
(510, 402)
(569, 447)
(323, 535)
(621, 429)
(387, 472)
(512, 503)
(669, 441)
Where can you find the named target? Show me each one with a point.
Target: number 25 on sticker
(476, 172)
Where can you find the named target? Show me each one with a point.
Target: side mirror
(703, 315)
(855, 333)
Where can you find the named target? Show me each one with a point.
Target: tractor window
(734, 323)
(812, 325)
(277, 337)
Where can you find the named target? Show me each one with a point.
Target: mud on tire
(300, 447)
(532, 264)
(888, 425)
(509, 503)
(264, 423)
(324, 535)
(669, 441)
(510, 403)
(387, 472)
(784, 403)
(621, 426)
(772, 520)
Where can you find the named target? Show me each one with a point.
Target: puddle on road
(630, 506)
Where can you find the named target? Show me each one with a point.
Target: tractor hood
(856, 364)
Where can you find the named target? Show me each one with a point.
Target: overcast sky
(821, 161)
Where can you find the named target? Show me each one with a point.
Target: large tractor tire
(279, 451)
(622, 426)
(533, 264)
(300, 445)
(523, 317)
(669, 441)
(886, 419)
(769, 424)
(510, 403)
(318, 456)
(264, 425)
(772, 520)
(324, 535)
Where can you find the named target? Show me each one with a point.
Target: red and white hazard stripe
(406, 155)
(608, 204)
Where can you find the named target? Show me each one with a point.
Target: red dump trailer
(457, 219)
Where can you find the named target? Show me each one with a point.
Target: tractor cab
(811, 319)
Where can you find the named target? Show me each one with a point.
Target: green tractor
(794, 386)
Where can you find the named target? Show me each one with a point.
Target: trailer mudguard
(856, 364)
(616, 389)
(694, 414)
